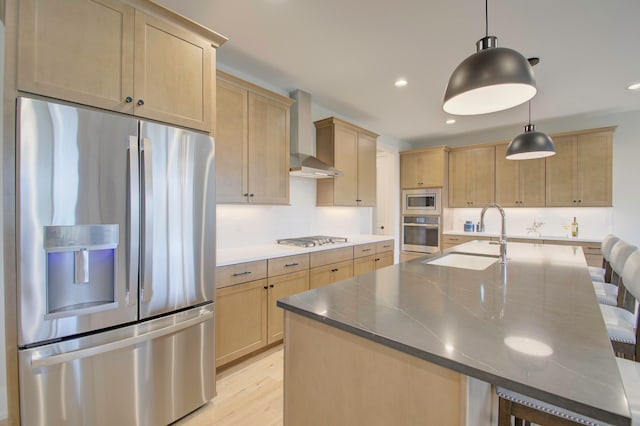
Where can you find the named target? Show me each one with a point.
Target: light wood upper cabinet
(352, 150)
(141, 60)
(252, 143)
(77, 50)
(519, 183)
(424, 168)
(367, 148)
(580, 172)
(471, 176)
(172, 80)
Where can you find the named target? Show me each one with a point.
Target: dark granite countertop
(533, 326)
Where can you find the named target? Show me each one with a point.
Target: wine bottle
(574, 227)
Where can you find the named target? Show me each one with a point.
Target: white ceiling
(348, 53)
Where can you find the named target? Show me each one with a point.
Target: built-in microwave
(424, 201)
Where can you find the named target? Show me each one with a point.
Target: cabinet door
(594, 169)
(366, 156)
(362, 265)
(409, 171)
(481, 164)
(172, 79)
(268, 154)
(241, 320)
(532, 182)
(458, 196)
(279, 287)
(345, 158)
(561, 173)
(77, 50)
(384, 259)
(231, 143)
(507, 179)
(328, 274)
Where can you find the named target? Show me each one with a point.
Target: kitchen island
(413, 343)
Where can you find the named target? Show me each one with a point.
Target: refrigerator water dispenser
(81, 269)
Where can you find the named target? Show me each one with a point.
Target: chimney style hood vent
(302, 162)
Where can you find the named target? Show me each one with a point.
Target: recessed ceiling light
(400, 82)
(634, 86)
(450, 121)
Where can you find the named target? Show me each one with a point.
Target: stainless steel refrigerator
(116, 265)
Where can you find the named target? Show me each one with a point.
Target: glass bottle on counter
(574, 227)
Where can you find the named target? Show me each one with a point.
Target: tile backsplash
(249, 225)
(593, 222)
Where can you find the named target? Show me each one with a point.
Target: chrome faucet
(503, 233)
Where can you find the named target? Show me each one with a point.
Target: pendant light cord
(529, 112)
(486, 18)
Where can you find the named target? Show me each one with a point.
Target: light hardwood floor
(249, 394)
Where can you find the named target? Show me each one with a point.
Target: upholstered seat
(602, 274)
(534, 410)
(630, 373)
(620, 324)
(607, 293)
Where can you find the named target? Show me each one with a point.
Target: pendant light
(530, 144)
(492, 79)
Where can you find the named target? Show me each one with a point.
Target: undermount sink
(464, 261)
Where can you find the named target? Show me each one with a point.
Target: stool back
(607, 244)
(619, 255)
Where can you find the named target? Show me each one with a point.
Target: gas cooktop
(316, 240)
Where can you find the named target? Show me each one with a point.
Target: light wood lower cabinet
(364, 262)
(280, 287)
(592, 252)
(247, 316)
(449, 241)
(241, 320)
(329, 274)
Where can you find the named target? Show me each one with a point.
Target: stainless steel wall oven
(421, 233)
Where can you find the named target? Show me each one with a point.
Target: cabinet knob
(128, 99)
(334, 270)
(271, 286)
(246, 194)
(251, 195)
(574, 201)
(265, 287)
(140, 102)
(382, 227)
(579, 201)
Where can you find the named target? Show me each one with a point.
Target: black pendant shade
(492, 79)
(530, 144)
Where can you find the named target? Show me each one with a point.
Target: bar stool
(630, 373)
(607, 292)
(529, 410)
(603, 274)
(622, 324)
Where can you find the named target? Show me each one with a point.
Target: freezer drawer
(151, 373)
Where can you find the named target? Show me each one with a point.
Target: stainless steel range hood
(303, 162)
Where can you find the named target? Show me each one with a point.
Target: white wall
(626, 166)
(242, 225)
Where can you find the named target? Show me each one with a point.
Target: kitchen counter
(533, 326)
(527, 236)
(226, 257)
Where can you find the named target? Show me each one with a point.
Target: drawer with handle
(240, 273)
(362, 250)
(383, 246)
(284, 265)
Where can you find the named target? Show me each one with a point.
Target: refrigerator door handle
(146, 221)
(48, 361)
(133, 215)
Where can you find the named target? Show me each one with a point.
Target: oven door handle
(422, 225)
